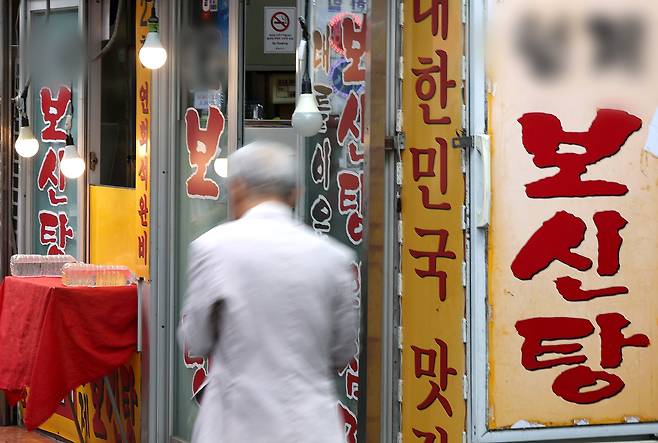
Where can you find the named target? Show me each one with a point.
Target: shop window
(112, 142)
(270, 39)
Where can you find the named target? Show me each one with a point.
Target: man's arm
(199, 317)
(345, 316)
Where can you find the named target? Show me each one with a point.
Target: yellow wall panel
(112, 229)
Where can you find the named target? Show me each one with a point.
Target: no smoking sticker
(279, 36)
(280, 21)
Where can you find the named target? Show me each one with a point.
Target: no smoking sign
(279, 37)
(280, 21)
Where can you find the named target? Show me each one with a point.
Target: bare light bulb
(71, 164)
(221, 167)
(26, 144)
(307, 118)
(152, 54)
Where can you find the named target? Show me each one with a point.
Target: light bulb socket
(25, 121)
(69, 139)
(307, 88)
(153, 21)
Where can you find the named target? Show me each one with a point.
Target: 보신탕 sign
(573, 247)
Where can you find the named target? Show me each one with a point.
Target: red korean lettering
(430, 370)
(554, 240)
(430, 437)
(350, 126)
(438, 9)
(143, 210)
(433, 258)
(608, 225)
(569, 385)
(53, 110)
(50, 176)
(428, 170)
(535, 331)
(542, 135)
(54, 231)
(321, 50)
(49, 172)
(144, 97)
(571, 290)
(97, 399)
(143, 132)
(354, 44)
(143, 172)
(613, 339)
(351, 375)
(143, 246)
(426, 86)
(349, 422)
(202, 146)
(129, 399)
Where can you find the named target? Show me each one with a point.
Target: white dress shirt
(287, 320)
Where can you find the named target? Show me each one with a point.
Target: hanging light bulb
(71, 164)
(307, 118)
(221, 166)
(152, 54)
(26, 144)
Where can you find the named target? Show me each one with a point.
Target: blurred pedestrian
(271, 303)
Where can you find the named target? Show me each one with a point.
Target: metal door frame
(165, 122)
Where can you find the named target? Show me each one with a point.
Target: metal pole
(140, 286)
(6, 135)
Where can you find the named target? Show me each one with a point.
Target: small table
(54, 338)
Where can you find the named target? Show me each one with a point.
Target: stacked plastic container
(24, 265)
(72, 272)
(82, 274)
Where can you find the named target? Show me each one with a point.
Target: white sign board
(279, 36)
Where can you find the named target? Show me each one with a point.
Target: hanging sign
(433, 297)
(280, 28)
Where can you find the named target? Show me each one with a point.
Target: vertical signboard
(573, 244)
(55, 198)
(143, 143)
(433, 295)
(334, 172)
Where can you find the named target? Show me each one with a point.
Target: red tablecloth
(54, 338)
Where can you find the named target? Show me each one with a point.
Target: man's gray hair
(265, 167)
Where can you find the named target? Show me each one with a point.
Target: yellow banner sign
(573, 247)
(433, 360)
(143, 143)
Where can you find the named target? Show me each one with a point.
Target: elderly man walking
(272, 304)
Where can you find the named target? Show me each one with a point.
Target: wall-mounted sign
(573, 246)
(280, 26)
(433, 360)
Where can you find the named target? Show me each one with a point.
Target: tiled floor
(18, 435)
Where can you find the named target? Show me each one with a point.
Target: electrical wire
(114, 35)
